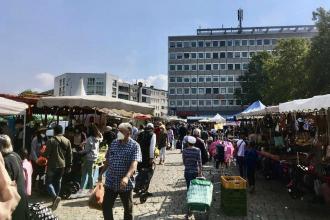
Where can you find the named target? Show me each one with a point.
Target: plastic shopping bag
(96, 199)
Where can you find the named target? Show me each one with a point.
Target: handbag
(96, 199)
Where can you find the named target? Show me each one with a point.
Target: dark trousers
(110, 197)
(241, 166)
(53, 181)
(37, 171)
(189, 177)
(250, 171)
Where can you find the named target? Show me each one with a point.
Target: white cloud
(46, 80)
(159, 81)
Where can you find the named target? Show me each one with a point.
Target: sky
(41, 39)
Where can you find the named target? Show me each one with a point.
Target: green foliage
(27, 93)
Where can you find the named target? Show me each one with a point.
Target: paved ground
(270, 201)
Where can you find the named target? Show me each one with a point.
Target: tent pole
(24, 130)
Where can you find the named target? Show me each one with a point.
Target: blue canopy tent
(255, 106)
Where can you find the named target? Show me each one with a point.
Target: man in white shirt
(241, 145)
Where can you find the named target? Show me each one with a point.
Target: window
(229, 54)
(179, 91)
(252, 54)
(186, 91)
(274, 41)
(215, 56)
(193, 67)
(186, 67)
(208, 90)
(252, 42)
(223, 90)
(194, 79)
(222, 43)
(207, 55)
(215, 91)
(222, 66)
(259, 42)
(223, 79)
(193, 55)
(172, 79)
(237, 43)
(245, 66)
(193, 91)
(179, 79)
(229, 43)
(179, 102)
(208, 102)
(215, 43)
(230, 90)
(237, 54)
(244, 54)
(215, 78)
(186, 80)
(215, 66)
(172, 67)
(237, 66)
(238, 102)
(231, 102)
(179, 56)
(223, 102)
(215, 102)
(172, 44)
(200, 43)
(230, 66)
(230, 79)
(208, 79)
(186, 103)
(172, 103)
(172, 91)
(201, 91)
(244, 42)
(201, 79)
(207, 43)
(201, 67)
(222, 54)
(179, 67)
(266, 41)
(193, 102)
(238, 90)
(201, 102)
(200, 55)
(90, 81)
(186, 55)
(208, 66)
(178, 44)
(186, 44)
(172, 56)
(193, 44)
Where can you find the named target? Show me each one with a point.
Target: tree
(27, 93)
(319, 57)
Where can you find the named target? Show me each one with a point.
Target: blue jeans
(87, 173)
(54, 178)
(189, 177)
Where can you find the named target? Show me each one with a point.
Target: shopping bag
(96, 199)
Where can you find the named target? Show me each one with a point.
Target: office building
(204, 69)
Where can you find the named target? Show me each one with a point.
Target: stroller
(142, 182)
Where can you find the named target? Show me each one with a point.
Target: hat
(108, 129)
(150, 125)
(191, 140)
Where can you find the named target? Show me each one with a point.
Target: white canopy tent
(310, 104)
(261, 112)
(95, 101)
(10, 107)
(218, 119)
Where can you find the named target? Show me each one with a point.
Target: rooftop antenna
(240, 18)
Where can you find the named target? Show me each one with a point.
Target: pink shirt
(27, 167)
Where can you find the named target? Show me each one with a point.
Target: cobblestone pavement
(270, 201)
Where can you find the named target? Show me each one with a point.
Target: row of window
(204, 79)
(208, 102)
(204, 91)
(208, 66)
(222, 43)
(214, 55)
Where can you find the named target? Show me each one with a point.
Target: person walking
(13, 165)
(192, 161)
(162, 144)
(170, 137)
(91, 153)
(200, 144)
(241, 145)
(121, 163)
(59, 155)
(251, 158)
(147, 141)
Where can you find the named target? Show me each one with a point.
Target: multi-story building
(203, 69)
(145, 94)
(69, 84)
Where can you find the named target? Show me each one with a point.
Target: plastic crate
(199, 196)
(233, 182)
(234, 201)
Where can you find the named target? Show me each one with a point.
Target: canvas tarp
(10, 107)
(310, 104)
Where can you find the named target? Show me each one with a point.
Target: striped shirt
(192, 159)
